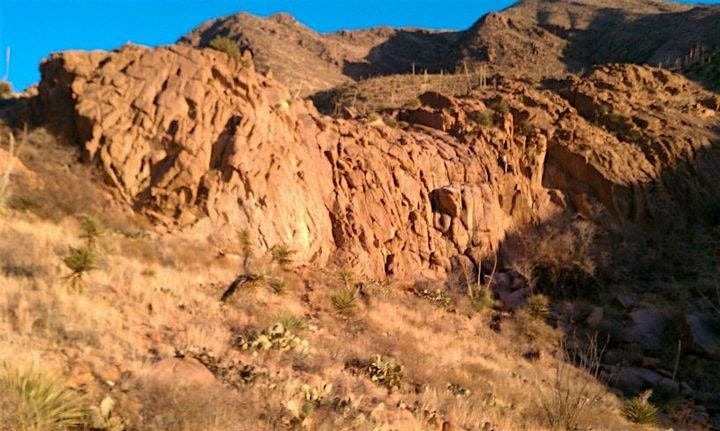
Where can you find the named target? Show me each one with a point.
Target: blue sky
(35, 28)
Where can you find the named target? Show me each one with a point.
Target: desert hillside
(537, 38)
(263, 227)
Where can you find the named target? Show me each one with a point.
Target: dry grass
(154, 295)
(390, 92)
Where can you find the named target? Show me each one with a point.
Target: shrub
(438, 296)
(556, 257)
(344, 300)
(41, 402)
(640, 410)
(483, 118)
(480, 296)
(282, 254)
(385, 371)
(80, 261)
(228, 46)
(538, 306)
(575, 392)
(6, 90)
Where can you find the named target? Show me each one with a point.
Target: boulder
(181, 372)
(703, 334)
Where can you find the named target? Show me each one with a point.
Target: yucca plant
(292, 323)
(43, 403)
(346, 277)
(538, 306)
(79, 261)
(90, 229)
(344, 300)
(282, 254)
(640, 410)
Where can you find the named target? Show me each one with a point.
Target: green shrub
(80, 261)
(385, 371)
(538, 306)
(483, 118)
(640, 410)
(344, 300)
(228, 46)
(480, 297)
(41, 402)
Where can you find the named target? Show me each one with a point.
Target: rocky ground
(190, 244)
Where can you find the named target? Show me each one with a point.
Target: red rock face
(191, 138)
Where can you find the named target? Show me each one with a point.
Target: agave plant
(43, 402)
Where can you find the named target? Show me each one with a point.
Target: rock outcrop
(193, 139)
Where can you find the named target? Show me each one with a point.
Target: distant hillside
(535, 37)
(307, 61)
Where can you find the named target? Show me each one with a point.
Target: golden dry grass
(155, 296)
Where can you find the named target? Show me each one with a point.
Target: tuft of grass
(640, 410)
(278, 285)
(346, 277)
(42, 402)
(538, 306)
(79, 261)
(282, 254)
(344, 300)
(228, 46)
(385, 371)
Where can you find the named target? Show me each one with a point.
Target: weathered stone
(447, 200)
(704, 334)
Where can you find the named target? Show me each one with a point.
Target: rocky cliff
(197, 141)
